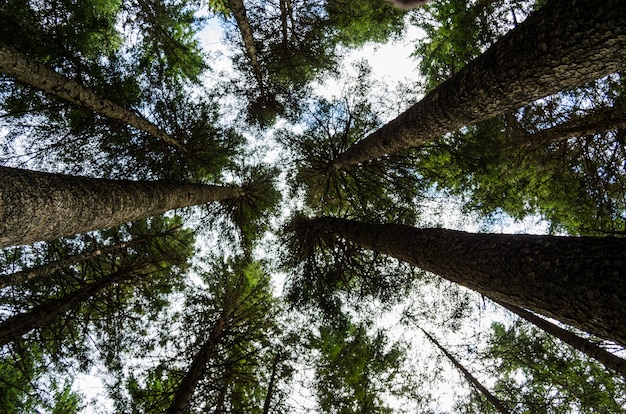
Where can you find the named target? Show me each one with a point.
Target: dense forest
(264, 225)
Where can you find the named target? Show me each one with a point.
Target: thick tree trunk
(469, 377)
(185, 390)
(580, 281)
(562, 45)
(29, 71)
(40, 206)
(239, 12)
(16, 326)
(590, 349)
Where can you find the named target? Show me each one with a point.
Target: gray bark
(29, 71)
(41, 206)
(562, 45)
(580, 281)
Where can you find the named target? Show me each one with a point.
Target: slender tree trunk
(580, 281)
(606, 119)
(185, 390)
(47, 268)
(41, 206)
(22, 276)
(239, 12)
(270, 387)
(16, 326)
(29, 71)
(469, 377)
(590, 349)
(562, 45)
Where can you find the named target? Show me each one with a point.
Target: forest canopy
(226, 206)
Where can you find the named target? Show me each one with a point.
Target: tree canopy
(225, 206)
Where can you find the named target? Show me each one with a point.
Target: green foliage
(63, 34)
(112, 318)
(22, 375)
(384, 189)
(325, 272)
(539, 374)
(457, 31)
(577, 184)
(235, 375)
(356, 23)
(167, 31)
(355, 369)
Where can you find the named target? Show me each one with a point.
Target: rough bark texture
(14, 327)
(592, 350)
(469, 377)
(562, 45)
(40, 206)
(185, 390)
(580, 281)
(29, 71)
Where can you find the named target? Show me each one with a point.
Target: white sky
(390, 63)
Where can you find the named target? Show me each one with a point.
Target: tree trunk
(469, 377)
(16, 326)
(22, 276)
(562, 45)
(239, 12)
(40, 206)
(590, 349)
(29, 71)
(603, 120)
(270, 387)
(185, 390)
(580, 281)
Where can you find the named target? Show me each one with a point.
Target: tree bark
(603, 120)
(22, 276)
(562, 45)
(185, 390)
(580, 281)
(41, 206)
(469, 377)
(16, 326)
(29, 71)
(270, 387)
(590, 349)
(239, 12)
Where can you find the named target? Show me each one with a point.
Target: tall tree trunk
(41, 206)
(562, 45)
(580, 281)
(239, 12)
(14, 327)
(590, 349)
(29, 71)
(270, 387)
(469, 377)
(22, 276)
(185, 390)
(594, 122)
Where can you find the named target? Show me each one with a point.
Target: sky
(391, 63)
